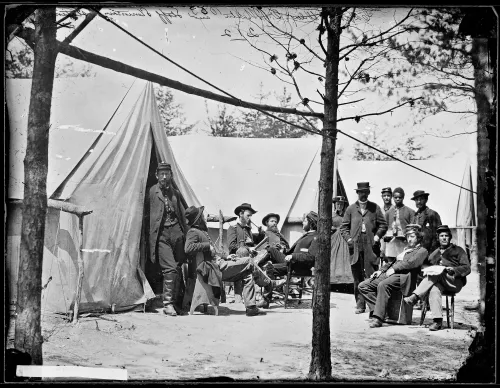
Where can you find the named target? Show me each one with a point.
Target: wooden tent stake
(80, 271)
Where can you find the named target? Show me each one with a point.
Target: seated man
(451, 277)
(301, 255)
(399, 275)
(231, 269)
(275, 238)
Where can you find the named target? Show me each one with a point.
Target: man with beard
(398, 276)
(275, 238)
(453, 266)
(230, 269)
(362, 227)
(167, 228)
(301, 255)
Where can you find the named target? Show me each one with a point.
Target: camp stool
(302, 274)
(450, 309)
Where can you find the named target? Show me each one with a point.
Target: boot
(412, 299)
(179, 290)
(169, 294)
(436, 325)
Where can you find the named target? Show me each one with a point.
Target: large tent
(112, 182)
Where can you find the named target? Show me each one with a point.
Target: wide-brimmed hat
(413, 228)
(313, 216)
(386, 190)
(339, 198)
(193, 213)
(363, 186)
(443, 228)
(244, 206)
(419, 193)
(266, 218)
(163, 166)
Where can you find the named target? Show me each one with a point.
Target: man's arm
(463, 269)
(380, 222)
(193, 243)
(345, 226)
(232, 239)
(309, 256)
(411, 261)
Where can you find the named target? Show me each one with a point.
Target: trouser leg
(425, 285)
(384, 291)
(436, 301)
(241, 270)
(368, 289)
(358, 277)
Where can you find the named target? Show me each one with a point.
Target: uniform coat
(406, 215)
(375, 225)
(239, 233)
(155, 207)
(429, 220)
(455, 257)
(276, 238)
(305, 248)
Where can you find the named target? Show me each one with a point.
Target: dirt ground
(276, 346)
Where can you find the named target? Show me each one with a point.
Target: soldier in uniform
(167, 229)
(275, 238)
(387, 198)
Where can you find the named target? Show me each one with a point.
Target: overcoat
(375, 225)
(154, 209)
(429, 220)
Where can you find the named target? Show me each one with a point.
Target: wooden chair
(398, 311)
(302, 274)
(450, 312)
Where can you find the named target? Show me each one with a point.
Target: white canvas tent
(112, 182)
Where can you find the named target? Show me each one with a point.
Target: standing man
(454, 266)
(362, 227)
(428, 219)
(400, 276)
(397, 217)
(387, 198)
(229, 269)
(167, 229)
(275, 238)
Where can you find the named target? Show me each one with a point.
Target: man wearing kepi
(167, 228)
(427, 218)
(393, 277)
(231, 268)
(449, 268)
(362, 227)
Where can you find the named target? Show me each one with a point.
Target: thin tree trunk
(321, 364)
(28, 336)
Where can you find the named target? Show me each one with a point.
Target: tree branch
(88, 18)
(28, 35)
(379, 113)
(446, 137)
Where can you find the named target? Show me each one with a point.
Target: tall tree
(174, 120)
(224, 123)
(28, 337)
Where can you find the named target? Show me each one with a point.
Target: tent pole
(221, 230)
(80, 271)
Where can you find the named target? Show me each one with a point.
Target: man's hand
(450, 270)
(376, 238)
(375, 275)
(288, 258)
(261, 231)
(212, 251)
(232, 257)
(350, 242)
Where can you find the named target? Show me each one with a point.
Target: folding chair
(450, 312)
(302, 274)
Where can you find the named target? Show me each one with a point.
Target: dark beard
(307, 228)
(273, 229)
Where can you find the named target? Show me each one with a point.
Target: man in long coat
(363, 226)
(167, 228)
(393, 277)
(229, 269)
(455, 266)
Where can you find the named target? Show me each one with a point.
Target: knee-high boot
(169, 294)
(179, 291)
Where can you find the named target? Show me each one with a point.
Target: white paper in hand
(433, 270)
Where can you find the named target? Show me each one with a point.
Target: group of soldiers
(386, 247)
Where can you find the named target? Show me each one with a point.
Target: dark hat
(399, 190)
(244, 206)
(164, 166)
(363, 186)
(443, 228)
(339, 198)
(419, 193)
(412, 228)
(266, 218)
(313, 216)
(386, 190)
(193, 213)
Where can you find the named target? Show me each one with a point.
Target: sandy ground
(276, 346)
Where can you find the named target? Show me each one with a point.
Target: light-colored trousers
(435, 285)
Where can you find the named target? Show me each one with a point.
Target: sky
(204, 41)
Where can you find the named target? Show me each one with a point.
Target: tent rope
(242, 103)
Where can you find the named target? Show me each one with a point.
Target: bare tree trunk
(321, 364)
(28, 336)
(480, 365)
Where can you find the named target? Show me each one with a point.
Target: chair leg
(447, 312)
(424, 311)
(288, 277)
(452, 312)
